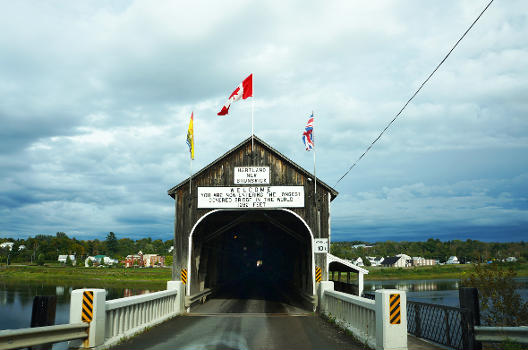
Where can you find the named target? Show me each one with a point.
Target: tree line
(49, 247)
(468, 250)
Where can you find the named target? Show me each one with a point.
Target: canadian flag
(243, 91)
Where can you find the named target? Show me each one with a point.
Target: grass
(96, 276)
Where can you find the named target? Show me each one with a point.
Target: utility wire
(416, 93)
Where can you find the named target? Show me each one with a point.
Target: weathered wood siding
(221, 173)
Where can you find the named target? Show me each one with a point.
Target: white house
(62, 259)
(7, 245)
(420, 261)
(452, 260)
(511, 259)
(399, 260)
(357, 262)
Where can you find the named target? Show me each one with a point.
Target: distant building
(63, 258)
(144, 260)
(395, 261)
(7, 245)
(511, 259)
(357, 262)
(356, 246)
(374, 261)
(452, 260)
(100, 260)
(419, 261)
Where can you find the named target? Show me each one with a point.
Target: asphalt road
(256, 317)
(243, 331)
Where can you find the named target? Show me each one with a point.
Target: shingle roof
(332, 191)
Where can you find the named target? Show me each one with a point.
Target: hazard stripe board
(318, 274)
(87, 306)
(183, 276)
(394, 307)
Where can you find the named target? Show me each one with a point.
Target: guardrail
(22, 338)
(353, 313)
(500, 334)
(380, 323)
(128, 316)
(446, 325)
(200, 296)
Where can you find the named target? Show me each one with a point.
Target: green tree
(41, 259)
(500, 303)
(366, 261)
(111, 243)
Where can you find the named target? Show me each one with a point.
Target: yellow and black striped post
(87, 306)
(394, 302)
(318, 274)
(183, 276)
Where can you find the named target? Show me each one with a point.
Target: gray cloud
(96, 98)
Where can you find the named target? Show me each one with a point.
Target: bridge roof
(272, 150)
(343, 265)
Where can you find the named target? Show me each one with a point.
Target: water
(439, 291)
(16, 301)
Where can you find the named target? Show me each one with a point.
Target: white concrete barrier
(96, 331)
(117, 319)
(351, 312)
(391, 335)
(369, 320)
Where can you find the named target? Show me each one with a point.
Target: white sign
(320, 245)
(251, 197)
(252, 175)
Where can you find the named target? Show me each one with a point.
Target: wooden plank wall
(222, 174)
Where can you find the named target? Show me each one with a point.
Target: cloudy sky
(95, 99)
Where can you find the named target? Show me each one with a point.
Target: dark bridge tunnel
(258, 254)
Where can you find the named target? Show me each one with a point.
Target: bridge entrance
(252, 222)
(262, 254)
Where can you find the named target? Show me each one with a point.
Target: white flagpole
(252, 112)
(313, 139)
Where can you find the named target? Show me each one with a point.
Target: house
(63, 258)
(407, 258)
(511, 259)
(420, 261)
(356, 246)
(151, 260)
(374, 261)
(105, 260)
(144, 260)
(87, 261)
(100, 260)
(452, 260)
(7, 245)
(357, 262)
(396, 261)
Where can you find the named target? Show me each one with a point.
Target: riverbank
(457, 271)
(153, 278)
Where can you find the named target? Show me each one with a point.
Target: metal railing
(22, 338)
(500, 334)
(354, 313)
(446, 325)
(200, 296)
(128, 316)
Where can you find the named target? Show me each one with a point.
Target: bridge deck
(249, 331)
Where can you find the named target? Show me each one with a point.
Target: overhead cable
(415, 93)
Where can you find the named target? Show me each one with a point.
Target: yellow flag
(190, 136)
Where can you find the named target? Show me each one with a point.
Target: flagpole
(313, 136)
(252, 112)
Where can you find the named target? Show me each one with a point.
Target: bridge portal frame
(191, 234)
(252, 152)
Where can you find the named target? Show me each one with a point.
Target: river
(438, 291)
